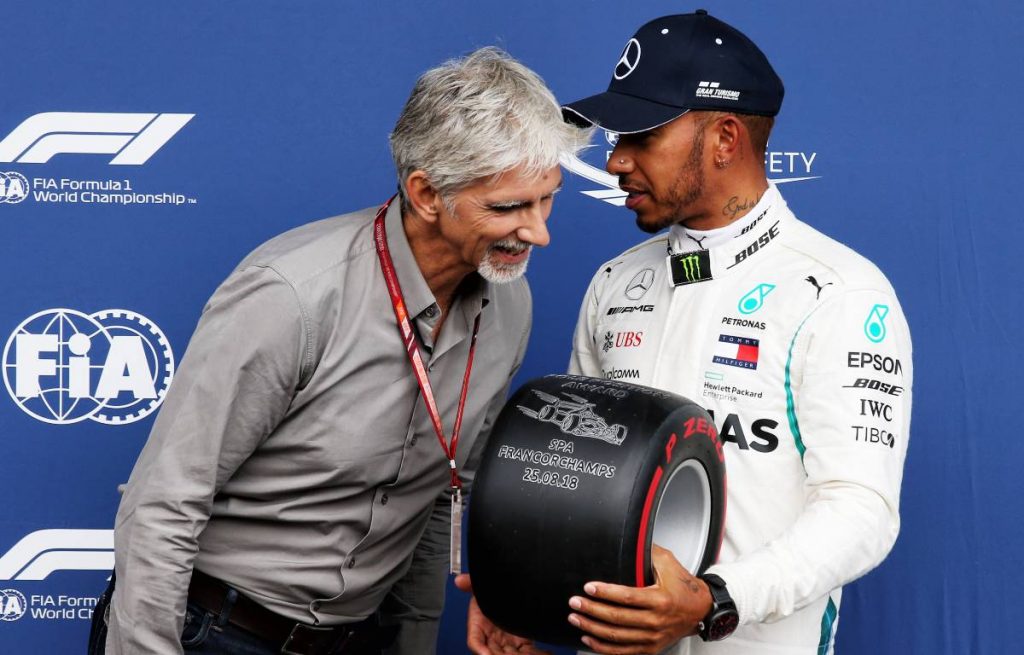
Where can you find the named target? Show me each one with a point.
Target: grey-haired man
(295, 493)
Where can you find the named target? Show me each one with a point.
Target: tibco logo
(133, 138)
(62, 366)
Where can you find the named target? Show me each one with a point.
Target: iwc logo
(62, 366)
(13, 187)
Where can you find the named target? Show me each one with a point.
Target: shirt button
(412, 442)
(316, 605)
(352, 562)
(384, 499)
(431, 311)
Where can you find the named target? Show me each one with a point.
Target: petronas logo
(874, 326)
(754, 299)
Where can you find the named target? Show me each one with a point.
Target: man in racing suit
(793, 342)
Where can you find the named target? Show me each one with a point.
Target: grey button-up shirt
(293, 457)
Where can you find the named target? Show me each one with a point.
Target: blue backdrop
(148, 146)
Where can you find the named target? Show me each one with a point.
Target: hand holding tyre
(580, 478)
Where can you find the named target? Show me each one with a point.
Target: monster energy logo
(690, 267)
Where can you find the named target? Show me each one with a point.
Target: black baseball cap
(677, 63)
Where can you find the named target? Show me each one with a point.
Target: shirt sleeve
(848, 408)
(584, 360)
(234, 385)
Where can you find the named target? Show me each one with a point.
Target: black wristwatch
(723, 618)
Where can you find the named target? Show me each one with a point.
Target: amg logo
(629, 308)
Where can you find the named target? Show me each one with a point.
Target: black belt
(294, 638)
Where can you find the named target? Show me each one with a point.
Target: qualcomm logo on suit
(43, 552)
(63, 366)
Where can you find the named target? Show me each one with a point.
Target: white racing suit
(798, 347)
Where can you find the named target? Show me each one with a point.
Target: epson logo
(872, 360)
(132, 138)
(629, 309)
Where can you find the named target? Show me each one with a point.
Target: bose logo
(43, 552)
(133, 138)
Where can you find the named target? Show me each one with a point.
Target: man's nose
(534, 229)
(619, 162)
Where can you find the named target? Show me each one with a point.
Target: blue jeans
(204, 633)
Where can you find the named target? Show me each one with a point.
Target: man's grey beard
(497, 273)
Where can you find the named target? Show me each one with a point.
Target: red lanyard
(412, 348)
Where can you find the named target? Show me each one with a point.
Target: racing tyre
(551, 510)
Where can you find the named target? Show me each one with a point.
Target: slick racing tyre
(579, 478)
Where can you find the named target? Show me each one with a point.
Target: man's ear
(726, 138)
(423, 198)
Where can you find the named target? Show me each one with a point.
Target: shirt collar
(473, 294)
(729, 245)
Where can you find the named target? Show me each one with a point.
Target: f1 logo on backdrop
(40, 553)
(43, 552)
(133, 138)
(62, 366)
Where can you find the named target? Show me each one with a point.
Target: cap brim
(617, 112)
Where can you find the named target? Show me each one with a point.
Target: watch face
(723, 625)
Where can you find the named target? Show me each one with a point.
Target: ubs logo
(641, 282)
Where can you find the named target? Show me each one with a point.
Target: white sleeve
(584, 360)
(848, 407)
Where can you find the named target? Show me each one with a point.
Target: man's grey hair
(479, 116)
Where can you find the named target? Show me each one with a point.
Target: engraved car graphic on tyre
(575, 416)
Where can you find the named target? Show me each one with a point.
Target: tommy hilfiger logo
(713, 90)
(740, 352)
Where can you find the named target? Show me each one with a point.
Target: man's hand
(485, 638)
(633, 620)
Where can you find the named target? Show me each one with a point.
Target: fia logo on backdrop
(131, 138)
(63, 366)
(780, 166)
